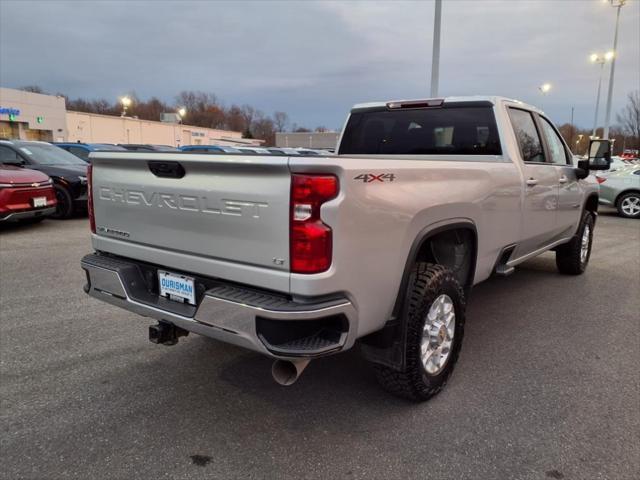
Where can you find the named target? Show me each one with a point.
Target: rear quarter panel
(376, 223)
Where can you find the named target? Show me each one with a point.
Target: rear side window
(556, 147)
(446, 131)
(527, 135)
(79, 152)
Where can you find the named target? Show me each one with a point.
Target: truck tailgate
(233, 208)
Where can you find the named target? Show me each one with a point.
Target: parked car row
(253, 150)
(82, 150)
(621, 163)
(40, 164)
(40, 179)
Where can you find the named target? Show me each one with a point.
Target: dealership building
(34, 116)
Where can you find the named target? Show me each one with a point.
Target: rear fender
(387, 346)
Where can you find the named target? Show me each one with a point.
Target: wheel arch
(386, 346)
(419, 251)
(591, 203)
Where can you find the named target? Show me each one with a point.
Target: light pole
(578, 144)
(544, 89)
(600, 60)
(181, 113)
(618, 4)
(435, 57)
(126, 103)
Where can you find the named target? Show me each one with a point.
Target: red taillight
(92, 218)
(310, 239)
(600, 179)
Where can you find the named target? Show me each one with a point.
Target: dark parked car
(68, 172)
(135, 147)
(209, 149)
(25, 195)
(82, 150)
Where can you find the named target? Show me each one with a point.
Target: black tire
(427, 283)
(633, 196)
(568, 256)
(64, 208)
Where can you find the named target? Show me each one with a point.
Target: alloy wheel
(437, 335)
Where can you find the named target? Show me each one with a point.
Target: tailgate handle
(166, 169)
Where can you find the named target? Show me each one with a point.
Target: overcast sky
(315, 59)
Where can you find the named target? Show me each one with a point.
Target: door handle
(563, 179)
(531, 182)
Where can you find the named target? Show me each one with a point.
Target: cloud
(315, 59)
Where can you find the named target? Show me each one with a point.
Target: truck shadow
(211, 372)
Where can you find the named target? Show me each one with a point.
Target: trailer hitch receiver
(166, 333)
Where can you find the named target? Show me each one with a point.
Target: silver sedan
(621, 189)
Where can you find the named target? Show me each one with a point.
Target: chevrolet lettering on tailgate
(188, 203)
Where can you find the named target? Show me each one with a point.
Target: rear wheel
(572, 258)
(434, 321)
(64, 207)
(629, 205)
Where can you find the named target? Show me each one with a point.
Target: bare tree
(248, 113)
(151, 109)
(203, 110)
(629, 119)
(264, 128)
(280, 119)
(32, 89)
(235, 120)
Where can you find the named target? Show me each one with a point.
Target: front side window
(46, 154)
(7, 155)
(556, 147)
(527, 136)
(454, 130)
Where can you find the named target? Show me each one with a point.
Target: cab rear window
(443, 131)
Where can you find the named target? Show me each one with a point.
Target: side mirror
(599, 155)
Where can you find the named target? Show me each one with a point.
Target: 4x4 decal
(371, 177)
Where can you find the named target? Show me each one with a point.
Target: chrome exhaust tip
(287, 372)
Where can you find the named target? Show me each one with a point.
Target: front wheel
(572, 258)
(434, 320)
(64, 207)
(629, 205)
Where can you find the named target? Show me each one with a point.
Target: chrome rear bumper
(226, 312)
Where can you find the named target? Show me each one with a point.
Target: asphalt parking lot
(547, 385)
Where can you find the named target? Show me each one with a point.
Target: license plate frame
(177, 287)
(39, 202)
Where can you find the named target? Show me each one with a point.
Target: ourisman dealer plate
(175, 287)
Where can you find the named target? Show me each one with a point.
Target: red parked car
(25, 194)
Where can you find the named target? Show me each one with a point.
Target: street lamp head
(182, 112)
(594, 57)
(545, 87)
(126, 101)
(609, 55)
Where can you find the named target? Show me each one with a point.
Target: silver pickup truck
(299, 257)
